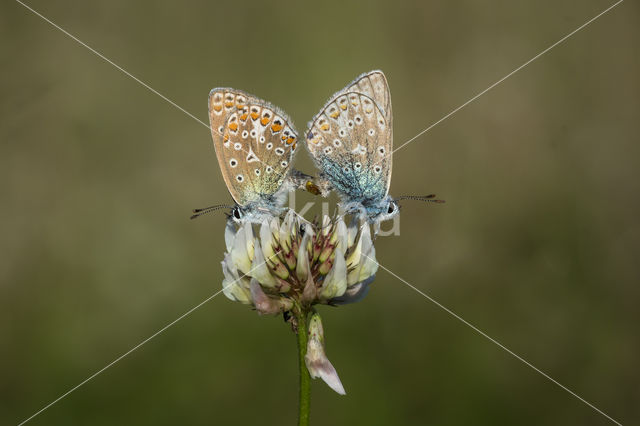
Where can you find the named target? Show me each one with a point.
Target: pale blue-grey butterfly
(351, 142)
(255, 143)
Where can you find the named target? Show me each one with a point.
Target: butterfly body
(351, 140)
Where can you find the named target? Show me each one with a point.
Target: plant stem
(305, 380)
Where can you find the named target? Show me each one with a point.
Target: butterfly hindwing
(351, 139)
(254, 143)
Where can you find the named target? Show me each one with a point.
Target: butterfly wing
(351, 139)
(254, 143)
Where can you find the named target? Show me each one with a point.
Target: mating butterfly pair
(350, 140)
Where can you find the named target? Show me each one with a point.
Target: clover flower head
(289, 265)
(289, 262)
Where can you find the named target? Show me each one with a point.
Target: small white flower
(316, 361)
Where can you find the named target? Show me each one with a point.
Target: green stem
(305, 380)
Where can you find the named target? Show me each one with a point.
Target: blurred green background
(537, 245)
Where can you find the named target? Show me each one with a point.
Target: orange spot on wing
(276, 127)
(233, 126)
(228, 104)
(217, 108)
(244, 116)
(325, 127)
(264, 121)
(290, 140)
(334, 114)
(255, 115)
(226, 137)
(343, 106)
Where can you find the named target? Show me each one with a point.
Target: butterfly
(351, 142)
(255, 144)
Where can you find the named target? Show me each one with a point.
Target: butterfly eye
(391, 208)
(236, 213)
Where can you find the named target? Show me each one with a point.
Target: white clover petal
(353, 263)
(326, 225)
(369, 265)
(250, 239)
(368, 257)
(316, 360)
(266, 237)
(275, 229)
(234, 287)
(286, 230)
(303, 268)
(243, 248)
(335, 283)
(260, 271)
(352, 231)
(342, 236)
(354, 257)
(230, 234)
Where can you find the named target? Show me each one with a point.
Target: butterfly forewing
(351, 139)
(374, 84)
(254, 143)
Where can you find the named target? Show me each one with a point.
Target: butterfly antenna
(205, 210)
(426, 198)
